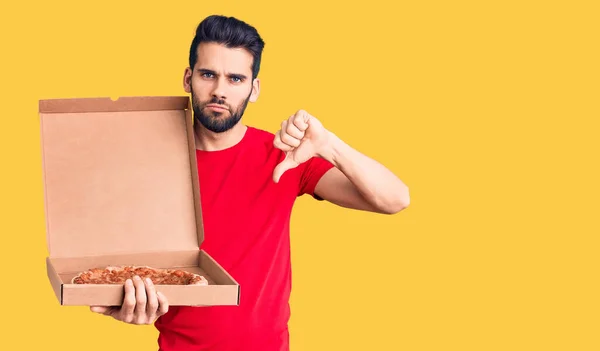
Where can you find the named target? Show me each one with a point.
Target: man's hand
(142, 304)
(302, 137)
(356, 181)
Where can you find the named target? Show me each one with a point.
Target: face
(221, 85)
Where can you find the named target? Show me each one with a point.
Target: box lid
(119, 176)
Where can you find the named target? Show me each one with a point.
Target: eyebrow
(231, 75)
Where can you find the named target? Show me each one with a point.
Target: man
(249, 181)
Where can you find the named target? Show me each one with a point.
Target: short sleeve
(312, 171)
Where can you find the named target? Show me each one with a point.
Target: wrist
(332, 149)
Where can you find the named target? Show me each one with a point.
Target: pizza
(119, 274)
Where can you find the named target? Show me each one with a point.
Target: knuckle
(153, 306)
(129, 300)
(141, 297)
(298, 122)
(291, 140)
(291, 126)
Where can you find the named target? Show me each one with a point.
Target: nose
(219, 88)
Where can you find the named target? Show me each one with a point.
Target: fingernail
(128, 282)
(136, 278)
(149, 281)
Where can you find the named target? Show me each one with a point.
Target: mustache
(219, 102)
(214, 100)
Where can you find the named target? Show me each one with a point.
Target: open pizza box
(121, 188)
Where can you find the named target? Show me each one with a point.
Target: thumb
(285, 165)
(100, 309)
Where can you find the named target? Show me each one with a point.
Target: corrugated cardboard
(121, 188)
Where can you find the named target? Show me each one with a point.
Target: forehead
(221, 58)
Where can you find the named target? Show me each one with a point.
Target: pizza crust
(118, 275)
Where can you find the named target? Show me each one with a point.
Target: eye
(207, 75)
(236, 79)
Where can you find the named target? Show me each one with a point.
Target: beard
(216, 121)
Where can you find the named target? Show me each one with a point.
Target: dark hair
(230, 32)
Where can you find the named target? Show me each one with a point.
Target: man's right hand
(142, 304)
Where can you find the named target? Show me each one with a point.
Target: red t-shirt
(246, 229)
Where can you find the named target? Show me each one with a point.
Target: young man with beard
(249, 180)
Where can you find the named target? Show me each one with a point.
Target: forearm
(377, 184)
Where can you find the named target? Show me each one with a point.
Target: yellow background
(487, 110)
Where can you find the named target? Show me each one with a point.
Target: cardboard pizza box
(121, 188)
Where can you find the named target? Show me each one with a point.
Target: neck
(207, 140)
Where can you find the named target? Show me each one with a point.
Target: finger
(294, 130)
(162, 303)
(279, 144)
(282, 167)
(128, 306)
(140, 298)
(289, 140)
(284, 125)
(152, 302)
(301, 120)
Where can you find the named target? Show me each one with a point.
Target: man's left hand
(301, 137)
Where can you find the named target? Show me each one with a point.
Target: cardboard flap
(119, 176)
(127, 103)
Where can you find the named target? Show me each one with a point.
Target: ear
(255, 90)
(187, 80)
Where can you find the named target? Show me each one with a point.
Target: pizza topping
(118, 275)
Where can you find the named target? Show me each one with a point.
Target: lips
(217, 107)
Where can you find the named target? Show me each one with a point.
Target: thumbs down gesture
(301, 137)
